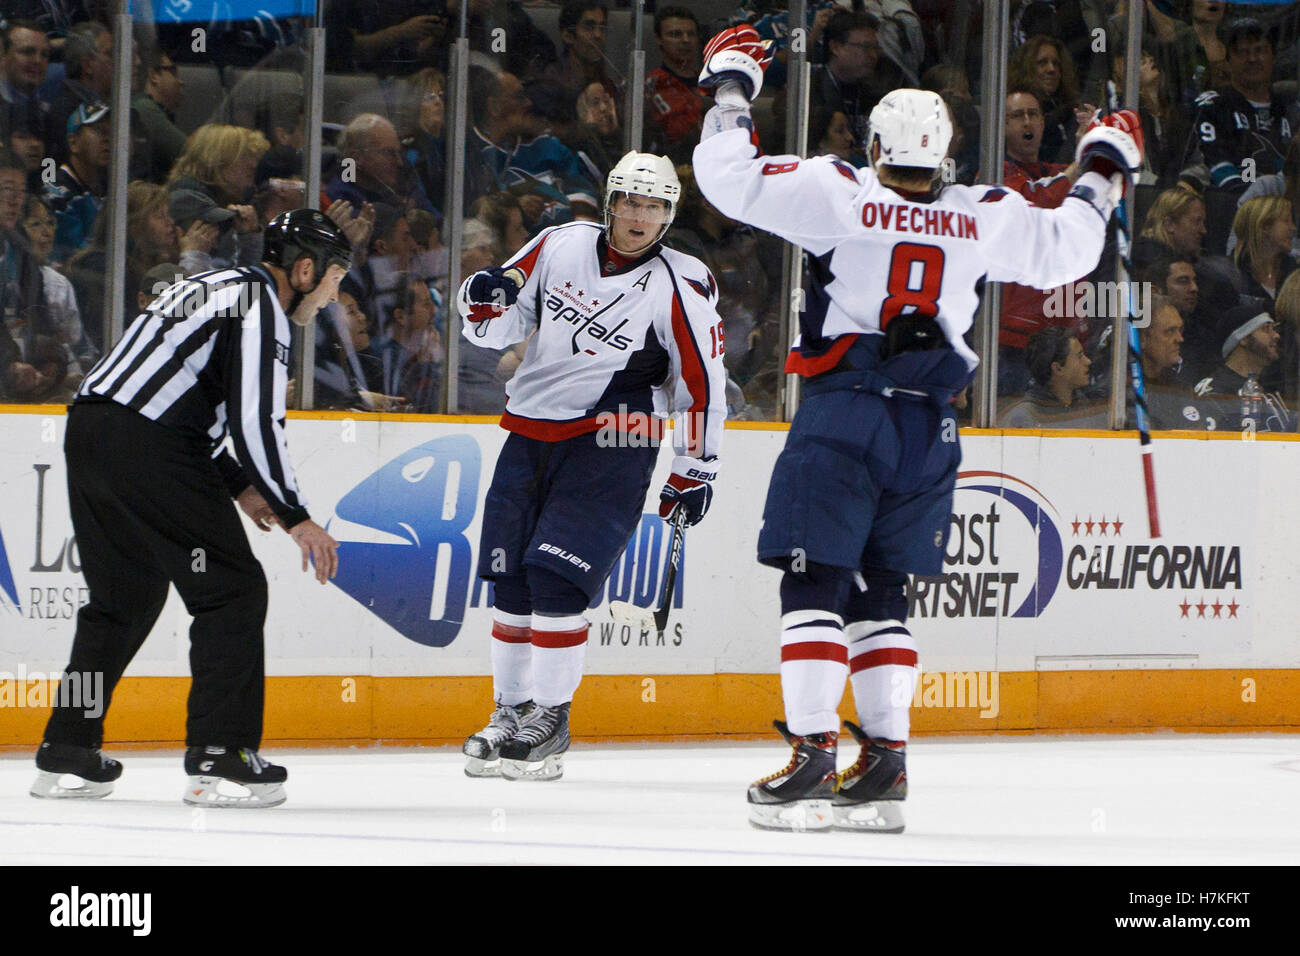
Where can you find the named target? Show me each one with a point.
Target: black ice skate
(483, 750)
(536, 751)
(259, 782)
(798, 797)
(869, 795)
(56, 763)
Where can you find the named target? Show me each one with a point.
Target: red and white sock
(512, 657)
(559, 649)
(883, 667)
(814, 663)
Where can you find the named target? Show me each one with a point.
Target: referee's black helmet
(305, 232)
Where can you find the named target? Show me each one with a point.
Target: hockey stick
(652, 619)
(1123, 239)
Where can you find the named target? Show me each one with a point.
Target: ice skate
(232, 777)
(536, 751)
(869, 795)
(59, 765)
(483, 750)
(799, 796)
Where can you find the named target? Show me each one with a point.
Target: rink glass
(253, 76)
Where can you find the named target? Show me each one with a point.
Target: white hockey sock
(512, 657)
(559, 649)
(814, 663)
(883, 668)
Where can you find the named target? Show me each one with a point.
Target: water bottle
(1252, 403)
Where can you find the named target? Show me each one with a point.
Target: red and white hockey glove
(487, 294)
(690, 487)
(737, 53)
(1113, 144)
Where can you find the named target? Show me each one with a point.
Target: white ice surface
(1171, 799)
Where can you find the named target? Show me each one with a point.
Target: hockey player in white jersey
(861, 496)
(624, 331)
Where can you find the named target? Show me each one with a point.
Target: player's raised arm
(1046, 248)
(498, 306)
(806, 201)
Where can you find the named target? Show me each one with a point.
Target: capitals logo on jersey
(706, 287)
(576, 307)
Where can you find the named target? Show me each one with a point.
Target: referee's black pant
(149, 507)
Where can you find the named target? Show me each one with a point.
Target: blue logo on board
(406, 558)
(8, 590)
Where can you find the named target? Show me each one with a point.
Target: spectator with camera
(213, 182)
(152, 237)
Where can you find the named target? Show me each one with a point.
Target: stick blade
(637, 618)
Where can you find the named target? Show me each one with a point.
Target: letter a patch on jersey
(642, 282)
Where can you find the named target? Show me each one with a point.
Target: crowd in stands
(1216, 222)
(547, 106)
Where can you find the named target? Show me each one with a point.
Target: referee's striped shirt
(211, 355)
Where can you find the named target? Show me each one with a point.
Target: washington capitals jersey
(618, 347)
(877, 253)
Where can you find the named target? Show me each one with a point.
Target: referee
(150, 487)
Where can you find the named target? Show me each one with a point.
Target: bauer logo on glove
(689, 487)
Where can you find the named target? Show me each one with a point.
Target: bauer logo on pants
(403, 552)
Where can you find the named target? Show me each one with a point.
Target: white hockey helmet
(644, 174)
(912, 127)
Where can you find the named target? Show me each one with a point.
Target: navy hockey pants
(865, 481)
(569, 506)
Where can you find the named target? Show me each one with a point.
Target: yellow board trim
(328, 710)
(340, 415)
